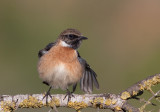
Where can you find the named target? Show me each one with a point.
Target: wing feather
(46, 49)
(89, 77)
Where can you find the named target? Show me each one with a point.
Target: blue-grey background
(123, 45)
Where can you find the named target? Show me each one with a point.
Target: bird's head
(71, 38)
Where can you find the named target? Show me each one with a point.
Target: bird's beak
(83, 38)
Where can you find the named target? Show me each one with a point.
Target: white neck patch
(64, 44)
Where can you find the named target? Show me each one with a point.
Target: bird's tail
(88, 79)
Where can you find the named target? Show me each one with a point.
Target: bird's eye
(71, 36)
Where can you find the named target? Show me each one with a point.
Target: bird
(60, 65)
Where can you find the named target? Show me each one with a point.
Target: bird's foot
(69, 94)
(46, 95)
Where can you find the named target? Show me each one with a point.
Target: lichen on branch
(110, 101)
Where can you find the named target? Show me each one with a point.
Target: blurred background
(123, 46)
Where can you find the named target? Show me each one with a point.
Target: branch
(102, 101)
(138, 88)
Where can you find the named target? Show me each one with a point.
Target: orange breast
(58, 55)
(68, 56)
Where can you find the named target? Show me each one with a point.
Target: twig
(148, 102)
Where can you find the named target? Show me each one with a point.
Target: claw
(69, 94)
(47, 94)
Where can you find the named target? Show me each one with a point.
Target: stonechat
(60, 64)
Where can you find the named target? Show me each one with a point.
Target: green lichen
(117, 108)
(108, 102)
(54, 102)
(77, 105)
(125, 95)
(31, 102)
(8, 106)
(150, 82)
(98, 102)
(114, 101)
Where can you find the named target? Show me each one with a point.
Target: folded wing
(46, 49)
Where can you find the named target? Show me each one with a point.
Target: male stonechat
(60, 64)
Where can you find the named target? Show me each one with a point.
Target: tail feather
(90, 83)
(81, 82)
(89, 77)
(87, 81)
(96, 84)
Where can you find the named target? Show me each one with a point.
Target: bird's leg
(48, 94)
(74, 88)
(69, 94)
